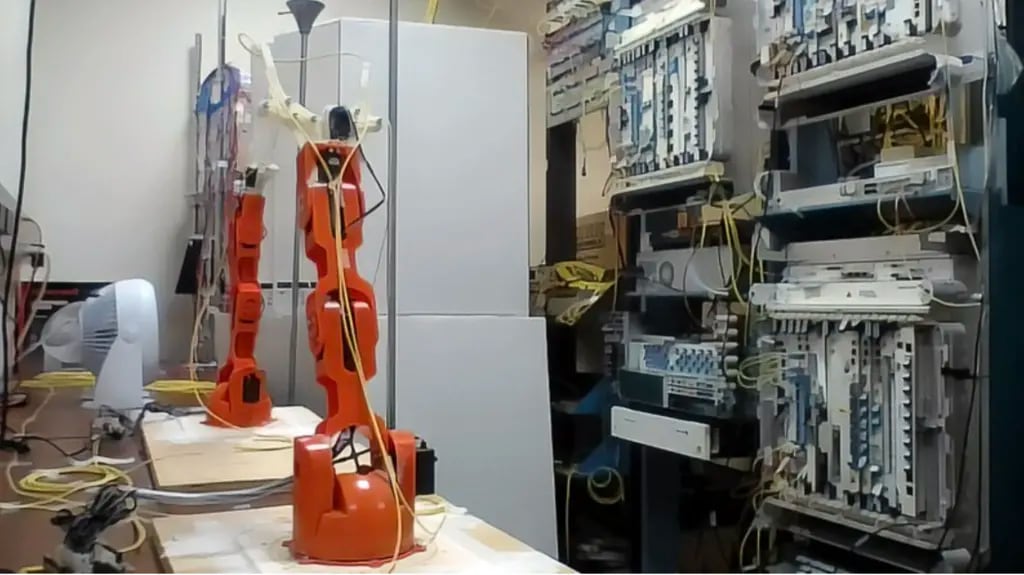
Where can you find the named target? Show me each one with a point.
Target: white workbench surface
(253, 541)
(186, 453)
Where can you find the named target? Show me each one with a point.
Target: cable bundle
(110, 507)
(182, 386)
(60, 380)
(346, 442)
(759, 370)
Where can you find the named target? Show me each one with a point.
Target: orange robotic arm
(240, 398)
(344, 517)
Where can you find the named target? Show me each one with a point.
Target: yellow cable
(768, 366)
(612, 475)
(439, 505)
(184, 386)
(951, 150)
(350, 337)
(732, 237)
(140, 535)
(730, 220)
(592, 486)
(432, 7)
(60, 380)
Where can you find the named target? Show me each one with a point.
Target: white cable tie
(100, 460)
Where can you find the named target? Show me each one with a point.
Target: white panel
(477, 389)
(463, 166)
(669, 433)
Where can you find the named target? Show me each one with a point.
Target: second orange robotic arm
(240, 398)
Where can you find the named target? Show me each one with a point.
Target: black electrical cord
(52, 442)
(7, 443)
(346, 442)
(376, 180)
(110, 506)
(861, 541)
(964, 439)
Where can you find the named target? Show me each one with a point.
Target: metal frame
(1006, 309)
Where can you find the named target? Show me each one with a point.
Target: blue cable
(204, 102)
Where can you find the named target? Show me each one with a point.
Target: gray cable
(236, 496)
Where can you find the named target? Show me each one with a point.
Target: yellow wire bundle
(60, 380)
(183, 386)
(758, 370)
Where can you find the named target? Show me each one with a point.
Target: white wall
(13, 35)
(113, 87)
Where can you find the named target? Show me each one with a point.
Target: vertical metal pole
(218, 193)
(222, 32)
(293, 334)
(223, 165)
(305, 13)
(197, 171)
(392, 210)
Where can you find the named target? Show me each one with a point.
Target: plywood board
(253, 541)
(188, 454)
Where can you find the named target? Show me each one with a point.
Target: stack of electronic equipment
(866, 327)
(690, 261)
(579, 35)
(674, 118)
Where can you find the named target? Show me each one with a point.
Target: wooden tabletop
(27, 535)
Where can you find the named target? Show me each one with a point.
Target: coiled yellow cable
(592, 486)
(183, 386)
(60, 380)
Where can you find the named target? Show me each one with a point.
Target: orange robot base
(345, 518)
(350, 518)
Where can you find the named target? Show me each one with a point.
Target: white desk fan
(120, 342)
(61, 338)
